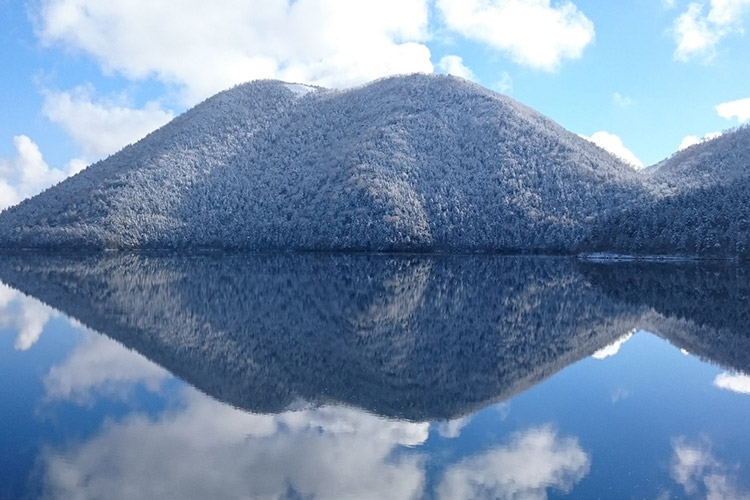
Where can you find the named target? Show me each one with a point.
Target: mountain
(723, 160)
(410, 163)
(698, 206)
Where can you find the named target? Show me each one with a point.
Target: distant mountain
(723, 160)
(420, 162)
(700, 205)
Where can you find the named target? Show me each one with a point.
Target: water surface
(340, 376)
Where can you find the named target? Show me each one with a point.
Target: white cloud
(694, 35)
(689, 463)
(697, 33)
(27, 174)
(612, 348)
(452, 428)
(692, 140)
(621, 101)
(203, 47)
(9, 195)
(27, 317)
(727, 12)
(101, 128)
(505, 84)
(331, 453)
(689, 140)
(7, 295)
(736, 382)
(712, 135)
(613, 144)
(31, 320)
(502, 409)
(98, 128)
(739, 109)
(699, 473)
(533, 462)
(454, 65)
(532, 32)
(100, 365)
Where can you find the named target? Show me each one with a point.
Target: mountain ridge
(426, 163)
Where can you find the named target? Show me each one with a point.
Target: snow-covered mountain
(722, 160)
(420, 162)
(700, 204)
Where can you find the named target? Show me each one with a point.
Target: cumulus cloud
(27, 173)
(739, 110)
(695, 468)
(698, 30)
(101, 128)
(320, 453)
(533, 462)
(203, 47)
(735, 382)
(25, 316)
(98, 128)
(454, 65)
(533, 33)
(612, 348)
(613, 144)
(694, 35)
(99, 365)
(692, 140)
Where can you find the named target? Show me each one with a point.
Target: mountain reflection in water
(413, 337)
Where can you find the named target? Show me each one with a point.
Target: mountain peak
(407, 163)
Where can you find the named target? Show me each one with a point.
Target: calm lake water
(372, 377)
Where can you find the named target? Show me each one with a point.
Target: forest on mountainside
(426, 163)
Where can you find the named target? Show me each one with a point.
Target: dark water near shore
(340, 376)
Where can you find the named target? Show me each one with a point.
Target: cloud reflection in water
(205, 449)
(532, 462)
(699, 472)
(24, 315)
(101, 366)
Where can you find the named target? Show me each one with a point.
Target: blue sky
(82, 78)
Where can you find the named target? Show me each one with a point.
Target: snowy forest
(700, 204)
(424, 163)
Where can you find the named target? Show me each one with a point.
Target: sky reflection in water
(86, 417)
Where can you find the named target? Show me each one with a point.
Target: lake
(372, 377)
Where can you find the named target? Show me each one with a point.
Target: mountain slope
(722, 160)
(700, 205)
(405, 163)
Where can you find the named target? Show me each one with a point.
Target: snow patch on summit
(298, 89)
